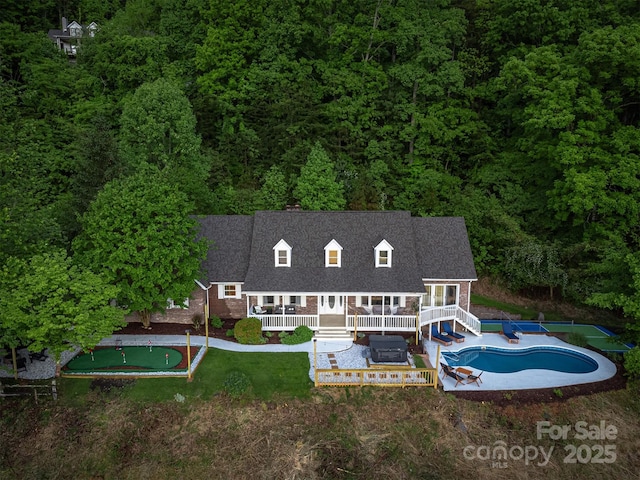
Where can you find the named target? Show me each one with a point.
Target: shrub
(578, 339)
(632, 362)
(282, 335)
(236, 384)
(230, 333)
(216, 322)
(301, 334)
(196, 320)
(268, 334)
(249, 331)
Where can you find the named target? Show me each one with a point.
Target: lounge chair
(449, 372)
(258, 309)
(449, 331)
(507, 331)
(438, 337)
(474, 378)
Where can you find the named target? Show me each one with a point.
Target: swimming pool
(499, 360)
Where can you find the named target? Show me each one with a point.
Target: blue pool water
(498, 360)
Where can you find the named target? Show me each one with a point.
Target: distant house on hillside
(335, 272)
(68, 38)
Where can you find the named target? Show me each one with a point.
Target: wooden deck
(399, 377)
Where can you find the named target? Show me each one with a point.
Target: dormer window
(75, 29)
(282, 253)
(383, 254)
(333, 254)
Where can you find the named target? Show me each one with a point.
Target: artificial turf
(595, 336)
(126, 359)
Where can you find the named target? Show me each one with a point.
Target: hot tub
(388, 348)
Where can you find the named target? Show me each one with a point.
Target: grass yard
(270, 374)
(336, 433)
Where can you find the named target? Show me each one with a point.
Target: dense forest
(522, 116)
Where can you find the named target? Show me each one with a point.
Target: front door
(331, 304)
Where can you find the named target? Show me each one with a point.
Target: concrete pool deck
(526, 379)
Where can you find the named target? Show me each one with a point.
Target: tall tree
(274, 190)
(157, 127)
(318, 187)
(139, 232)
(57, 305)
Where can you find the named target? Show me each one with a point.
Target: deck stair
(451, 312)
(338, 334)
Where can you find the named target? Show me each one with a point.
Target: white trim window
(282, 254)
(383, 254)
(333, 254)
(229, 290)
(297, 300)
(440, 295)
(267, 300)
(172, 304)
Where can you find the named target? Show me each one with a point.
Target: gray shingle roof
(433, 248)
(443, 248)
(228, 255)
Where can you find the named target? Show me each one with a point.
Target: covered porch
(346, 313)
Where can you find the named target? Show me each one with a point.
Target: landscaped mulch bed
(136, 328)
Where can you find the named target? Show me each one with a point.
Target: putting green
(128, 358)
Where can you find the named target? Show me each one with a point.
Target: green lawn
(270, 374)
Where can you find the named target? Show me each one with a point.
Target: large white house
(336, 272)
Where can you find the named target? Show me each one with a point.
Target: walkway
(46, 369)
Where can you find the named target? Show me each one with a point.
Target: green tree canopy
(158, 127)
(57, 305)
(318, 187)
(139, 232)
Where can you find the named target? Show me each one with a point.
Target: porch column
(283, 312)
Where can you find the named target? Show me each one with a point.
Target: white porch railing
(469, 320)
(287, 322)
(386, 323)
(451, 312)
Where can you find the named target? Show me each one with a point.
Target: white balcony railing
(287, 322)
(384, 323)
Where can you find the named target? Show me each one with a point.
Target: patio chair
(258, 309)
(449, 331)
(475, 378)
(507, 331)
(438, 337)
(449, 372)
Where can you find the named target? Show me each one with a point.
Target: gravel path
(37, 369)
